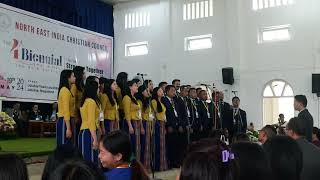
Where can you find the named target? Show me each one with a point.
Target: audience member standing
(311, 154)
(285, 158)
(300, 104)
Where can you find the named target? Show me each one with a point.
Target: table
(41, 128)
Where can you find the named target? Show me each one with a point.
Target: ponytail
(138, 171)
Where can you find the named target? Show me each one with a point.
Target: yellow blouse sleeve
(65, 97)
(127, 107)
(154, 105)
(92, 115)
(103, 100)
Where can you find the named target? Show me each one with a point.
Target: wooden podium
(41, 128)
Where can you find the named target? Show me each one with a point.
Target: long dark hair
(156, 97)
(64, 79)
(122, 80)
(77, 170)
(13, 167)
(92, 78)
(128, 91)
(204, 161)
(60, 155)
(90, 91)
(118, 142)
(78, 73)
(108, 91)
(145, 100)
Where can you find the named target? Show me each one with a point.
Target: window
(198, 42)
(197, 9)
(274, 33)
(278, 98)
(136, 49)
(263, 4)
(137, 19)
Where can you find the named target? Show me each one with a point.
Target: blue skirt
(85, 146)
(61, 129)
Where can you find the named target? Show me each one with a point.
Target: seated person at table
(35, 113)
(53, 116)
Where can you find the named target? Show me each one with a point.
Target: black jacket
(172, 119)
(306, 120)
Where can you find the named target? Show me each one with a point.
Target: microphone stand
(153, 136)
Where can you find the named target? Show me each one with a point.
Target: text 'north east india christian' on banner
(35, 49)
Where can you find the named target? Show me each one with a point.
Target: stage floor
(28, 147)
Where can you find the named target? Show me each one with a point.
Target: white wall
(234, 27)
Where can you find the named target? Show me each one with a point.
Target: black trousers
(176, 145)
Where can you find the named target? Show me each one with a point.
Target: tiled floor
(35, 171)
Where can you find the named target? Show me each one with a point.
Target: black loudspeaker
(316, 83)
(227, 75)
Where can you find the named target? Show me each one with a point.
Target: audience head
(184, 92)
(242, 137)
(236, 102)
(115, 150)
(176, 84)
(80, 75)
(295, 129)
(315, 134)
(12, 167)
(266, 132)
(208, 159)
(252, 161)
(300, 102)
(60, 155)
(193, 93)
(170, 91)
(163, 85)
(77, 170)
(285, 158)
(281, 116)
(203, 95)
(66, 79)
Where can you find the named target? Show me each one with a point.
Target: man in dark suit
(176, 84)
(195, 119)
(239, 118)
(300, 104)
(224, 114)
(172, 126)
(311, 154)
(205, 110)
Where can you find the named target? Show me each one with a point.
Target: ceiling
(116, 1)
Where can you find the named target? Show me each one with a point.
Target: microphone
(141, 74)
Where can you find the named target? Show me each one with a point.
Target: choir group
(161, 121)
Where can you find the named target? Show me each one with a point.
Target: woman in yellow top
(77, 91)
(65, 127)
(122, 83)
(159, 109)
(132, 113)
(144, 100)
(88, 140)
(110, 106)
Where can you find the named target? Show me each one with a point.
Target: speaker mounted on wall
(227, 75)
(316, 84)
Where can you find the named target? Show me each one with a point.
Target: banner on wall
(35, 49)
